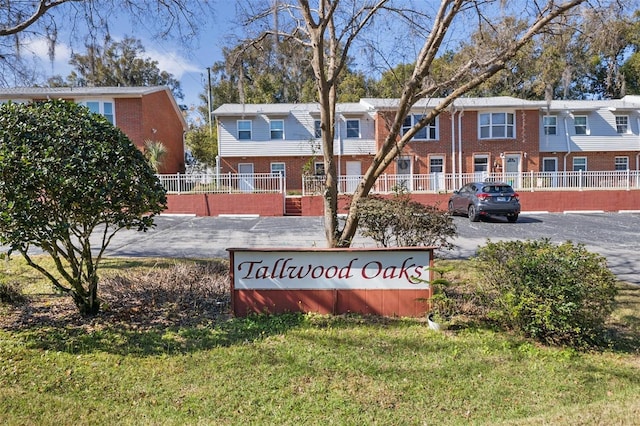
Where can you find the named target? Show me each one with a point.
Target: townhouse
(474, 135)
(142, 113)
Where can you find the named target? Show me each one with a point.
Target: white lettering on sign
(382, 269)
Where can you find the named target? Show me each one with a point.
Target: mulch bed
(181, 295)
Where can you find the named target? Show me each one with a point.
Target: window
(318, 168)
(436, 165)
(580, 124)
(277, 129)
(497, 125)
(244, 129)
(580, 163)
(317, 129)
(429, 132)
(481, 163)
(622, 163)
(353, 128)
(550, 123)
(622, 124)
(104, 108)
(278, 169)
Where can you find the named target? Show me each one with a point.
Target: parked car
(477, 199)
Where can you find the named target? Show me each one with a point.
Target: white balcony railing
(201, 183)
(447, 182)
(227, 183)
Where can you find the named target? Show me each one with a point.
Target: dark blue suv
(477, 199)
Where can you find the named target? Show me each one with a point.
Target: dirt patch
(184, 294)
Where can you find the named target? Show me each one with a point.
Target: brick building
(142, 113)
(474, 135)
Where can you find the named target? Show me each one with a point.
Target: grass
(299, 369)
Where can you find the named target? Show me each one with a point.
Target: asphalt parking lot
(614, 235)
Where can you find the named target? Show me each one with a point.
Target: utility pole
(209, 101)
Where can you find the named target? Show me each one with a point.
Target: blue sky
(187, 64)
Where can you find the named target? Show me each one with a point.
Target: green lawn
(297, 369)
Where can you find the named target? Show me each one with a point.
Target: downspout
(460, 114)
(638, 154)
(566, 136)
(453, 145)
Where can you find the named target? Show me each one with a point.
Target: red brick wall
(153, 117)
(217, 204)
(526, 141)
(294, 166)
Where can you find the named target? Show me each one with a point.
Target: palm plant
(155, 152)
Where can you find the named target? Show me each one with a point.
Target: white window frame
(317, 129)
(550, 124)
(348, 128)
(581, 126)
(430, 132)
(576, 166)
(276, 133)
(484, 157)
(487, 122)
(278, 167)
(621, 163)
(318, 168)
(622, 124)
(244, 131)
(437, 158)
(99, 106)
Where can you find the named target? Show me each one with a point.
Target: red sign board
(390, 282)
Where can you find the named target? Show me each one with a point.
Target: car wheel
(451, 208)
(512, 218)
(473, 213)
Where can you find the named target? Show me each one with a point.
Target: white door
(354, 174)
(245, 172)
(512, 170)
(436, 170)
(403, 172)
(550, 167)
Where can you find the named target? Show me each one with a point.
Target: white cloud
(172, 62)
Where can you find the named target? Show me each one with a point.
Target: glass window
(278, 168)
(436, 164)
(550, 123)
(244, 129)
(353, 128)
(622, 163)
(580, 124)
(622, 124)
(104, 108)
(579, 163)
(481, 163)
(497, 125)
(277, 129)
(317, 129)
(428, 132)
(319, 168)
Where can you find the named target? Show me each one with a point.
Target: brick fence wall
(273, 204)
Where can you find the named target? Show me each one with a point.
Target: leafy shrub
(402, 222)
(10, 293)
(558, 294)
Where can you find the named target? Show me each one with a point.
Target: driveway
(614, 235)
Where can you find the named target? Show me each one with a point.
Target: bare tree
(333, 27)
(21, 21)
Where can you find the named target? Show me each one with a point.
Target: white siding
(602, 134)
(299, 136)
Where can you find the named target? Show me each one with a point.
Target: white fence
(207, 183)
(225, 183)
(447, 182)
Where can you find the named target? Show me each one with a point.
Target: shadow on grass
(124, 340)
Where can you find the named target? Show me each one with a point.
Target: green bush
(401, 222)
(556, 294)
